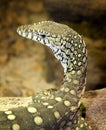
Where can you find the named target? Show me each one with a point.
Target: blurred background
(27, 67)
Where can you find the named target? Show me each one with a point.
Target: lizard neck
(76, 80)
(74, 62)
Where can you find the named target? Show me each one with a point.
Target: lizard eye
(43, 35)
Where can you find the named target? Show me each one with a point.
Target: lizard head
(66, 44)
(46, 32)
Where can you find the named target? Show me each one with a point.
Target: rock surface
(70, 10)
(95, 102)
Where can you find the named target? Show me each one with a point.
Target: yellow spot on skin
(62, 89)
(38, 120)
(77, 128)
(80, 41)
(67, 103)
(75, 36)
(75, 121)
(38, 101)
(69, 77)
(8, 112)
(46, 93)
(79, 103)
(82, 118)
(66, 89)
(72, 41)
(15, 127)
(66, 113)
(42, 97)
(84, 59)
(76, 44)
(73, 108)
(32, 109)
(59, 99)
(50, 107)
(11, 117)
(74, 62)
(45, 103)
(85, 124)
(81, 125)
(73, 92)
(52, 97)
(79, 63)
(57, 114)
(89, 127)
(79, 55)
(79, 72)
(73, 72)
(75, 81)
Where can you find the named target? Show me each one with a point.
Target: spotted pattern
(59, 99)
(11, 117)
(72, 92)
(67, 103)
(15, 127)
(50, 107)
(8, 112)
(38, 120)
(32, 109)
(53, 109)
(57, 115)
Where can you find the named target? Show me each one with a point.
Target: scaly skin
(51, 109)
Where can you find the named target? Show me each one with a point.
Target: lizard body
(51, 109)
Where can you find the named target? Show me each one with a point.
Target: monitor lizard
(51, 109)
